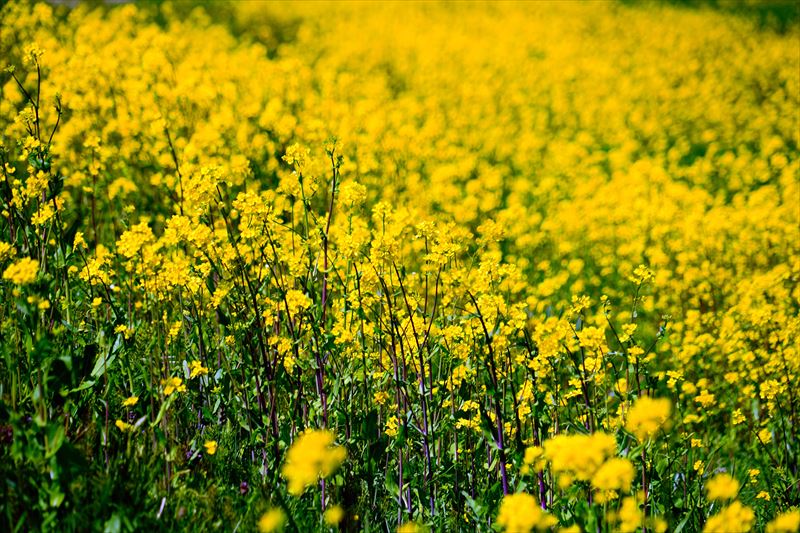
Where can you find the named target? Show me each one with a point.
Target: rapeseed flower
(647, 416)
(271, 521)
(735, 518)
(130, 401)
(722, 487)
(173, 384)
(521, 513)
(313, 455)
(788, 522)
(210, 446)
(22, 272)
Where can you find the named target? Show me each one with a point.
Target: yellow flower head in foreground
(271, 521)
(173, 385)
(196, 368)
(130, 402)
(22, 272)
(734, 518)
(123, 426)
(579, 455)
(312, 456)
(210, 446)
(788, 522)
(520, 513)
(615, 474)
(722, 487)
(647, 416)
(333, 515)
(629, 516)
(533, 460)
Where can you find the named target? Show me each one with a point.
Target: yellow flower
(6, 250)
(705, 399)
(647, 416)
(735, 518)
(579, 455)
(196, 368)
(380, 397)
(313, 455)
(22, 272)
(173, 385)
(411, 527)
(79, 242)
(521, 513)
(333, 515)
(788, 522)
(722, 487)
(533, 459)
(391, 426)
(629, 516)
(615, 474)
(210, 446)
(271, 521)
(641, 275)
(134, 239)
(763, 495)
(123, 426)
(130, 402)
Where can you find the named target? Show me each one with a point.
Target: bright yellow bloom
(22, 272)
(173, 385)
(705, 399)
(521, 513)
(641, 275)
(312, 456)
(647, 416)
(123, 426)
(533, 459)
(380, 397)
(411, 527)
(130, 401)
(579, 455)
(788, 522)
(699, 466)
(615, 474)
(392, 426)
(722, 487)
(735, 518)
(271, 521)
(333, 515)
(210, 446)
(79, 242)
(629, 516)
(196, 369)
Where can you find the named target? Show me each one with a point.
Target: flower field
(408, 267)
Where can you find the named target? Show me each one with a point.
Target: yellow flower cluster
(735, 518)
(313, 455)
(581, 457)
(647, 416)
(22, 272)
(520, 513)
(722, 487)
(529, 220)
